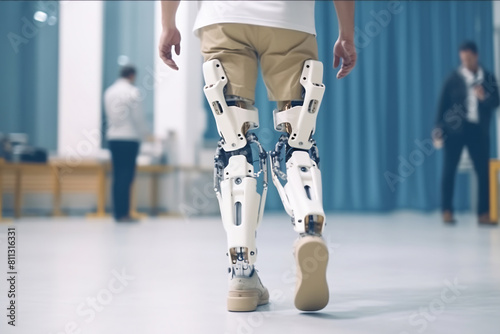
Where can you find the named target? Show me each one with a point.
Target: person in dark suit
(468, 99)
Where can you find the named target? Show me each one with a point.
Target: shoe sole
(246, 300)
(311, 256)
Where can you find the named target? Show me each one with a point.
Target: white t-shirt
(471, 81)
(294, 15)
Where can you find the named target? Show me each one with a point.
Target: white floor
(389, 274)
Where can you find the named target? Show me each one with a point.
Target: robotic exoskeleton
(236, 182)
(240, 203)
(302, 194)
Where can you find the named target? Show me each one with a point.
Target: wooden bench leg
(154, 193)
(133, 203)
(132, 200)
(18, 196)
(56, 192)
(101, 194)
(493, 192)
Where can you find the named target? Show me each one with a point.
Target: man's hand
(479, 90)
(437, 138)
(170, 37)
(344, 49)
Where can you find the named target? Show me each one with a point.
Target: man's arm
(488, 93)
(439, 123)
(170, 36)
(443, 104)
(344, 47)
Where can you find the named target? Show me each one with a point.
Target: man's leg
(236, 186)
(478, 145)
(452, 151)
(230, 72)
(129, 166)
(117, 158)
(300, 188)
(294, 79)
(120, 179)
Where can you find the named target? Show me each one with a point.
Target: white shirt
(472, 80)
(294, 15)
(125, 118)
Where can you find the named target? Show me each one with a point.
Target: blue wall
(129, 31)
(370, 121)
(29, 72)
(368, 124)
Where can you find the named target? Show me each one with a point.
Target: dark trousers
(123, 156)
(478, 145)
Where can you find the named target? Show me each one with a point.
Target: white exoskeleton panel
(302, 192)
(239, 206)
(240, 203)
(302, 119)
(235, 181)
(232, 121)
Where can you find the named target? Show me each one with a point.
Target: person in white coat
(126, 128)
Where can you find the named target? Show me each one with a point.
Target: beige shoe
(246, 293)
(311, 290)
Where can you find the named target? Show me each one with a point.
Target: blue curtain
(29, 71)
(376, 124)
(129, 34)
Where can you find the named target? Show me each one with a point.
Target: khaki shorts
(281, 53)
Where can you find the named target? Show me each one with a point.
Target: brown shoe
(484, 219)
(448, 217)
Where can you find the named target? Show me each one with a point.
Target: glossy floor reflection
(402, 273)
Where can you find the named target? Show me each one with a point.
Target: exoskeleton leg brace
(235, 180)
(301, 194)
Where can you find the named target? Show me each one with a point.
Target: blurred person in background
(468, 98)
(126, 128)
